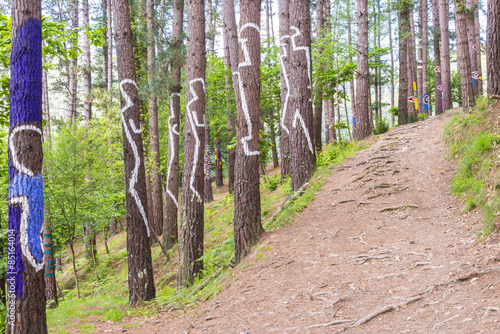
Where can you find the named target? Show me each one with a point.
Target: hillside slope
(384, 248)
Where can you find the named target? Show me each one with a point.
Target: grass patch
(473, 139)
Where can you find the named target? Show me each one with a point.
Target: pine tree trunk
(437, 58)
(87, 75)
(109, 79)
(231, 37)
(330, 112)
(363, 123)
(104, 7)
(170, 232)
(463, 58)
(154, 137)
(284, 32)
(412, 66)
(219, 181)
(471, 39)
(73, 75)
(375, 77)
(477, 42)
(420, 57)
(318, 105)
(247, 223)
(493, 48)
(211, 26)
(303, 158)
(25, 274)
(351, 81)
(425, 53)
(192, 220)
(209, 196)
(140, 269)
(229, 112)
(444, 8)
(404, 32)
(271, 110)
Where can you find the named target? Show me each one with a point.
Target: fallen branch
(205, 282)
(442, 322)
(288, 200)
(495, 97)
(336, 322)
(386, 309)
(394, 208)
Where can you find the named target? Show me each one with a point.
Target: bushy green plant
(273, 182)
(393, 111)
(381, 126)
(114, 315)
(422, 117)
(412, 117)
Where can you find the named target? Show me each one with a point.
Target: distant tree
(87, 65)
(463, 55)
(438, 108)
(444, 9)
(73, 67)
(404, 36)
(493, 47)
(363, 121)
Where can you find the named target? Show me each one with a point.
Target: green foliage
(84, 183)
(393, 111)
(115, 315)
(475, 143)
(381, 126)
(456, 87)
(412, 117)
(273, 182)
(422, 117)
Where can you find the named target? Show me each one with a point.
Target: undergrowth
(473, 139)
(104, 290)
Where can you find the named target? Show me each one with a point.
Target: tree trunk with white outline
(437, 58)
(247, 220)
(284, 43)
(170, 231)
(192, 220)
(140, 270)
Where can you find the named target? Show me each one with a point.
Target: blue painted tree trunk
(25, 274)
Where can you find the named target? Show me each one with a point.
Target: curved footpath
(384, 248)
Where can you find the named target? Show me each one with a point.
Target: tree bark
(109, 79)
(104, 7)
(73, 75)
(493, 47)
(463, 58)
(437, 58)
(231, 38)
(284, 42)
(318, 105)
(444, 8)
(219, 180)
(140, 269)
(25, 274)
(478, 48)
(271, 111)
(209, 196)
(363, 123)
(154, 136)
(211, 26)
(349, 41)
(412, 66)
(404, 35)
(302, 153)
(87, 74)
(471, 39)
(170, 233)
(247, 220)
(425, 44)
(192, 220)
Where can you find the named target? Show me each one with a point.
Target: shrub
(381, 126)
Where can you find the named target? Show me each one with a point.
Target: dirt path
(385, 231)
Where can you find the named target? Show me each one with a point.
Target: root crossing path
(384, 248)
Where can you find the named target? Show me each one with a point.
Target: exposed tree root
(394, 208)
(336, 322)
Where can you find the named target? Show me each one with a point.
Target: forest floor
(384, 248)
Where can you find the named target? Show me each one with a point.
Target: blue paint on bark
(26, 75)
(25, 108)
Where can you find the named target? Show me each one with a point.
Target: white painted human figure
(172, 130)
(285, 75)
(137, 158)
(298, 117)
(244, 104)
(193, 121)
